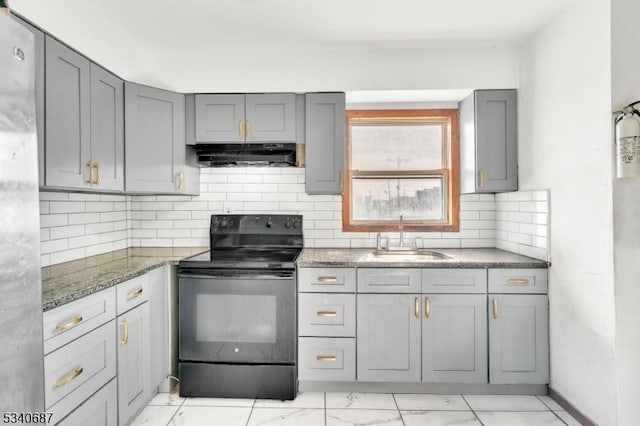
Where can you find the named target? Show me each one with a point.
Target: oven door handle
(285, 276)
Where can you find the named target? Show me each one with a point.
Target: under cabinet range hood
(253, 154)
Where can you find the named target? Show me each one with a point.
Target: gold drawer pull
(125, 325)
(69, 324)
(70, 378)
(518, 281)
(134, 293)
(495, 308)
(416, 307)
(90, 179)
(427, 307)
(327, 358)
(328, 279)
(327, 314)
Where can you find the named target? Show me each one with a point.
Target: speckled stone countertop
(459, 258)
(69, 281)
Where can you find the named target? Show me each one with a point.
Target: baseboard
(571, 409)
(437, 388)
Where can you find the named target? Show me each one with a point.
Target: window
(401, 162)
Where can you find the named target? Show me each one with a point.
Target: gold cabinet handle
(70, 378)
(125, 325)
(248, 135)
(327, 358)
(241, 129)
(90, 179)
(416, 307)
(180, 180)
(327, 279)
(481, 178)
(327, 314)
(69, 324)
(518, 281)
(97, 166)
(495, 308)
(427, 308)
(134, 293)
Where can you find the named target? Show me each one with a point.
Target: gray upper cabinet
(68, 143)
(325, 141)
(237, 118)
(454, 338)
(518, 339)
(107, 129)
(488, 142)
(84, 146)
(155, 148)
(39, 52)
(388, 343)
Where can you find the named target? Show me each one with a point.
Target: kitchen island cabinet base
(428, 388)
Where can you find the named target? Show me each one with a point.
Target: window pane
(396, 146)
(388, 198)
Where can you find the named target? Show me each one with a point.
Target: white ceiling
(137, 38)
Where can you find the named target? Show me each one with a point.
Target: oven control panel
(256, 224)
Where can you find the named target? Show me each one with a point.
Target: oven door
(237, 316)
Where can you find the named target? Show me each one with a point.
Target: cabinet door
(68, 138)
(324, 140)
(155, 135)
(107, 128)
(38, 38)
(220, 118)
(160, 317)
(388, 340)
(100, 409)
(518, 339)
(496, 140)
(270, 117)
(454, 338)
(133, 361)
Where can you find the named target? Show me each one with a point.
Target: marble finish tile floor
(349, 409)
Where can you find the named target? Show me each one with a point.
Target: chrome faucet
(400, 228)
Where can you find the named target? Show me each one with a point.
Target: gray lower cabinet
(101, 409)
(134, 358)
(454, 338)
(488, 142)
(237, 118)
(518, 339)
(160, 320)
(155, 148)
(328, 358)
(388, 337)
(68, 125)
(324, 143)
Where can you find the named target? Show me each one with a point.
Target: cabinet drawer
(66, 323)
(326, 358)
(77, 370)
(454, 281)
(332, 280)
(518, 281)
(392, 280)
(132, 293)
(101, 409)
(331, 315)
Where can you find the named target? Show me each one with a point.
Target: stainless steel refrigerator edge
(21, 355)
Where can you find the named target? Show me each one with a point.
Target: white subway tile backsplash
(66, 207)
(59, 232)
(522, 223)
(49, 220)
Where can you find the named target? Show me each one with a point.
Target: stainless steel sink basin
(400, 254)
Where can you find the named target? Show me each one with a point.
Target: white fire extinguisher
(628, 142)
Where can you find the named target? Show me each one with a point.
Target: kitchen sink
(408, 254)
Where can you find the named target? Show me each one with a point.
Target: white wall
(626, 198)
(564, 145)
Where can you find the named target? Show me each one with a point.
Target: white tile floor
(329, 409)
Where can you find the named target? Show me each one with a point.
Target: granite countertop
(69, 281)
(459, 258)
